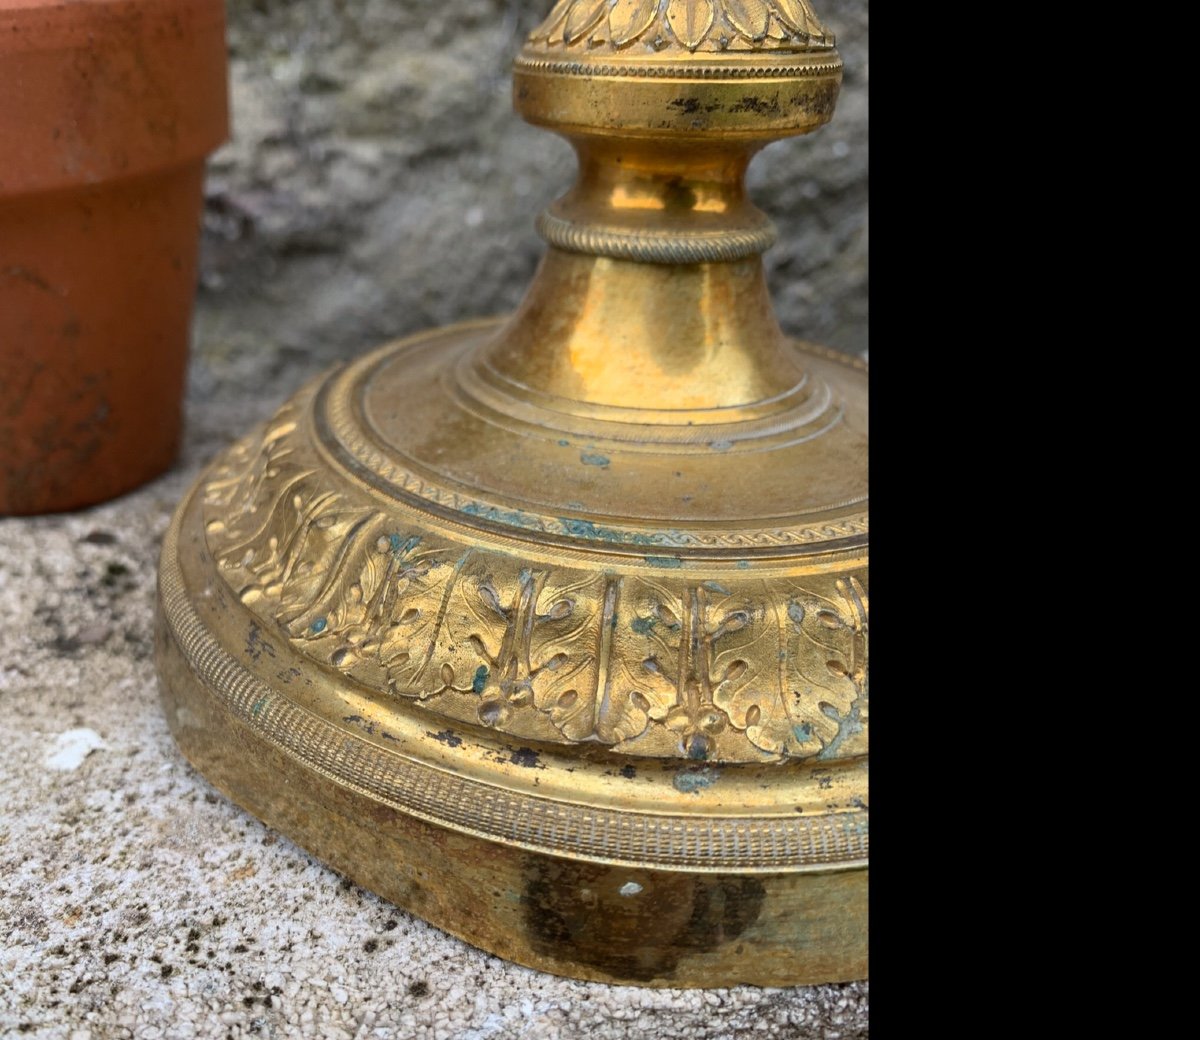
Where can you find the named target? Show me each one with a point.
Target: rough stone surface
(378, 182)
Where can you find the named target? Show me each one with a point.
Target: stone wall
(379, 183)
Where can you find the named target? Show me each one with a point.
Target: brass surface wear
(553, 629)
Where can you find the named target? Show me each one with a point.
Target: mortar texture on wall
(378, 183)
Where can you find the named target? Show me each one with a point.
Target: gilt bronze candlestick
(553, 630)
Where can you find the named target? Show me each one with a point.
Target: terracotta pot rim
(27, 25)
(99, 90)
(141, 173)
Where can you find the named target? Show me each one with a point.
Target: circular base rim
(584, 920)
(586, 853)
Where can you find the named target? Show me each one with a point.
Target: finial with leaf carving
(692, 25)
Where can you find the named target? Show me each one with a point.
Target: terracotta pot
(108, 109)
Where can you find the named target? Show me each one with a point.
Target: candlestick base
(553, 630)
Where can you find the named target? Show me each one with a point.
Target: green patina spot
(400, 547)
(564, 444)
(848, 726)
(802, 733)
(643, 626)
(480, 680)
(258, 705)
(587, 529)
(673, 562)
(693, 781)
(713, 586)
(508, 517)
(742, 565)
(318, 626)
(593, 458)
